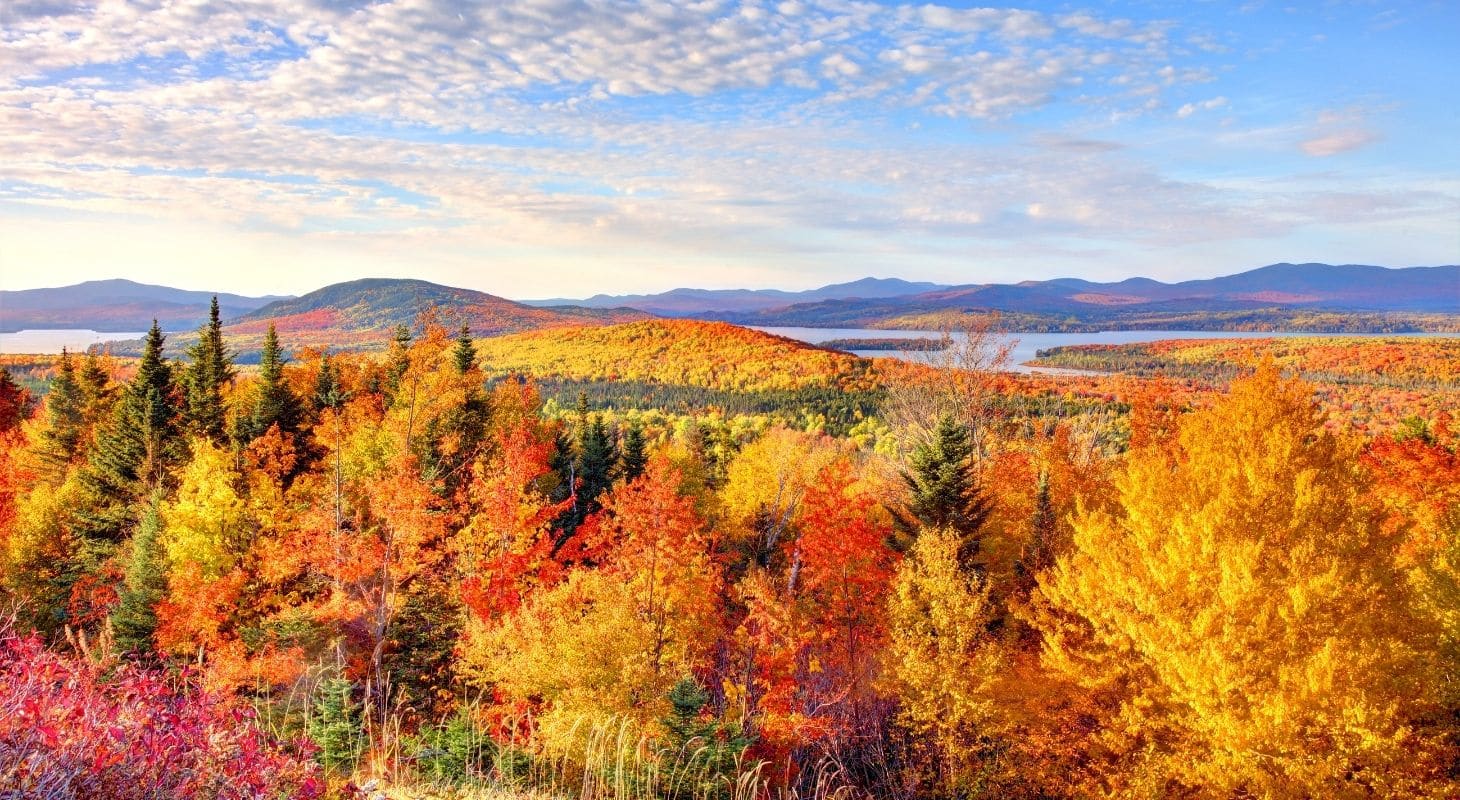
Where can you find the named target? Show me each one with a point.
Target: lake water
(1027, 344)
(51, 341)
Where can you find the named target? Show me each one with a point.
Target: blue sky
(568, 147)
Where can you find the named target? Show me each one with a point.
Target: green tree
(62, 439)
(635, 457)
(274, 403)
(135, 452)
(398, 363)
(135, 618)
(327, 390)
(943, 492)
(96, 391)
(211, 367)
(594, 470)
(334, 725)
(464, 355)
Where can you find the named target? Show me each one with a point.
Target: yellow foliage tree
(206, 523)
(1241, 615)
(942, 662)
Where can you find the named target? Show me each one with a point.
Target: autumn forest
(675, 560)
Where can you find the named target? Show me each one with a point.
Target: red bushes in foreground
(72, 729)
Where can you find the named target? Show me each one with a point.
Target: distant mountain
(692, 302)
(1274, 295)
(117, 305)
(362, 313)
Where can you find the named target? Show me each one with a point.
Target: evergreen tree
(1036, 554)
(398, 363)
(93, 381)
(274, 402)
(211, 367)
(135, 618)
(61, 440)
(464, 355)
(635, 457)
(136, 448)
(327, 392)
(334, 725)
(711, 749)
(943, 493)
(597, 462)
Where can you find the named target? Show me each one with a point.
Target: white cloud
(1206, 105)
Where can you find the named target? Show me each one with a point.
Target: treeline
(392, 569)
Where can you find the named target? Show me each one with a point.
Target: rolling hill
(117, 305)
(361, 314)
(710, 355)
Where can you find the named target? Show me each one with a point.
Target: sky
(561, 148)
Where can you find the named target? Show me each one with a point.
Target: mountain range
(361, 313)
(1140, 302)
(692, 302)
(117, 305)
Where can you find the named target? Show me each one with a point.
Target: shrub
(70, 728)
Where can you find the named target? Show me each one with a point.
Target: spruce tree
(135, 619)
(635, 458)
(464, 355)
(135, 451)
(597, 464)
(334, 725)
(274, 402)
(398, 363)
(942, 491)
(93, 381)
(1037, 554)
(65, 419)
(327, 392)
(210, 369)
(134, 454)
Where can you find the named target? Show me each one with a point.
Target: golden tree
(1241, 614)
(941, 659)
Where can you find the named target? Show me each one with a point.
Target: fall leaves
(1242, 602)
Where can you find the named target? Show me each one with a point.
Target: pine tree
(1036, 554)
(211, 367)
(61, 440)
(597, 465)
(334, 725)
(135, 618)
(327, 392)
(96, 394)
(135, 451)
(634, 455)
(398, 363)
(943, 493)
(274, 402)
(464, 355)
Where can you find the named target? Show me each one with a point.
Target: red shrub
(70, 729)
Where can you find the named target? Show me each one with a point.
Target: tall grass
(606, 759)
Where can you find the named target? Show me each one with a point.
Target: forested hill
(712, 355)
(362, 314)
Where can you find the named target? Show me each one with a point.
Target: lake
(1027, 344)
(31, 342)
